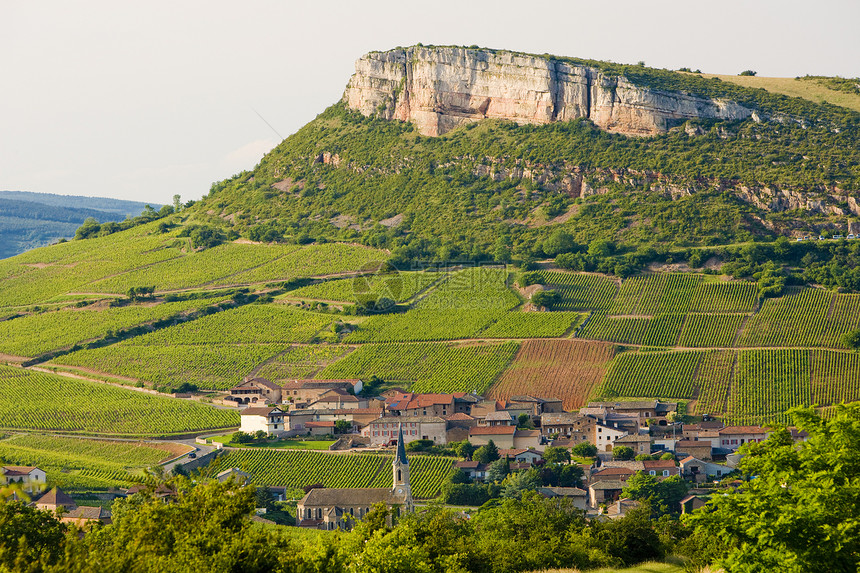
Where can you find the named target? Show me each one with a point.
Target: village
(608, 442)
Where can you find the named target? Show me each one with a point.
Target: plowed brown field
(565, 369)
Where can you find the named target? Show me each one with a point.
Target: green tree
(486, 454)
(518, 483)
(498, 470)
(463, 449)
(585, 450)
(851, 340)
(560, 241)
(28, 536)
(342, 427)
(664, 494)
(177, 203)
(556, 455)
(545, 298)
(623, 453)
(525, 421)
(799, 513)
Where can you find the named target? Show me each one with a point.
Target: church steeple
(400, 468)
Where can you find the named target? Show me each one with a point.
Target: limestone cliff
(439, 88)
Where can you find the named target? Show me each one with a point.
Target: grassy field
(792, 87)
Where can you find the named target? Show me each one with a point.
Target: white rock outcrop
(440, 88)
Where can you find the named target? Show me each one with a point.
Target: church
(340, 508)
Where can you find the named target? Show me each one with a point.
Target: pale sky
(143, 100)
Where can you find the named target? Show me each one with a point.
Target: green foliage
(747, 73)
(557, 455)
(28, 536)
(486, 454)
(545, 298)
(532, 324)
(622, 453)
(799, 513)
(584, 450)
(851, 340)
(665, 495)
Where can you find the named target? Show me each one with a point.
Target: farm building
(271, 420)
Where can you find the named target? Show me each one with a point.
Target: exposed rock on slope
(440, 88)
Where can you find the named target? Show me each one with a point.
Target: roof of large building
(501, 416)
(520, 433)
(18, 470)
(87, 513)
(56, 497)
(366, 496)
(319, 384)
(659, 464)
(608, 484)
(262, 411)
(562, 492)
(560, 418)
(514, 452)
(493, 431)
(408, 420)
(740, 430)
(693, 444)
(459, 417)
(262, 382)
(633, 439)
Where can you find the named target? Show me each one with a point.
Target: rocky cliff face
(439, 89)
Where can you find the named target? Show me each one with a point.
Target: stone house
(384, 430)
(537, 406)
(579, 496)
(499, 418)
(523, 455)
(661, 468)
(604, 437)
(639, 443)
(310, 390)
(255, 391)
(271, 420)
(338, 399)
(571, 425)
(604, 492)
(54, 500)
(733, 437)
(643, 410)
(475, 470)
(700, 470)
(697, 448)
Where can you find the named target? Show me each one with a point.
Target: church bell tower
(400, 468)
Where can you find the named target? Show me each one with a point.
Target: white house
(605, 437)
(272, 420)
(30, 478)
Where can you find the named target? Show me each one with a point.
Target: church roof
(366, 496)
(400, 457)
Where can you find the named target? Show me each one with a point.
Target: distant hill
(29, 220)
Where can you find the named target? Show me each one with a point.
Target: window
(665, 473)
(652, 472)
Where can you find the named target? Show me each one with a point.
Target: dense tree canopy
(799, 509)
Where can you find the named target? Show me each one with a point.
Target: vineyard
(85, 464)
(581, 291)
(564, 369)
(710, 330)
(296, 469)
(39, 401)
(249, 324)
(747, 386)
(209, 366)
(532, 325)
(652, 375)
(475, 289)
(302, 361)
(795, 319)
(660, 330)
(429, 367)
(37, 334)
(424, 325)
(398, 287)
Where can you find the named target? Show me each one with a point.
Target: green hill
(348, 252)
